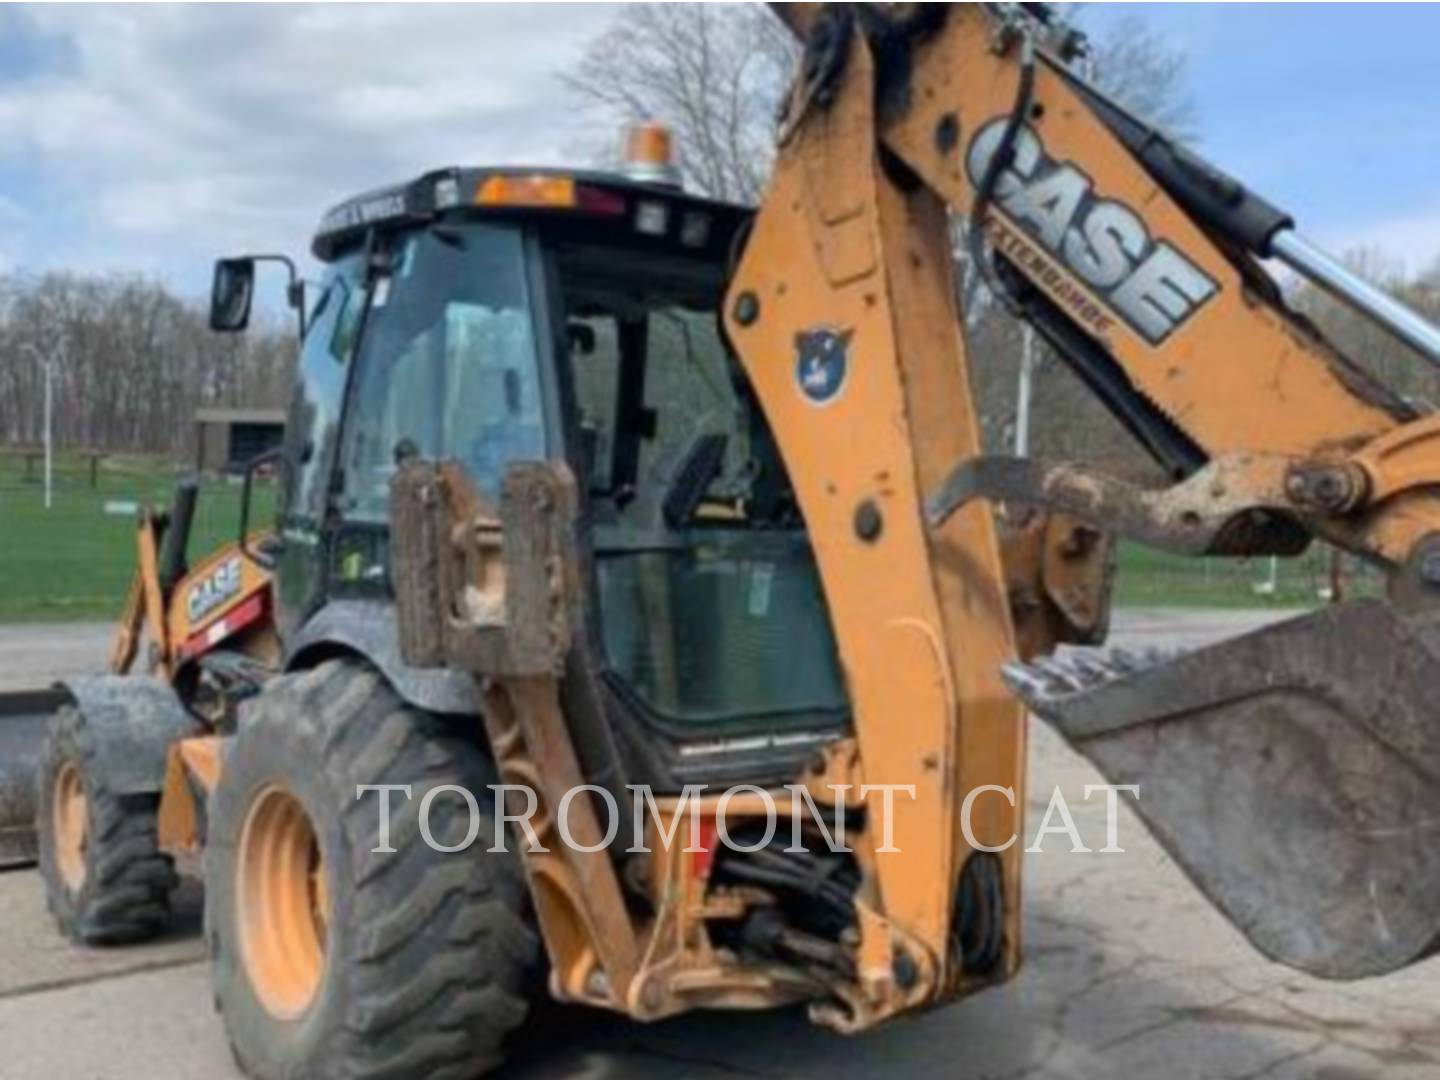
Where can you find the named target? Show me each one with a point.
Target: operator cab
(490, 316)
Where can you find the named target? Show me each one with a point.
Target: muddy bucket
(23, 716)
(1293, 773)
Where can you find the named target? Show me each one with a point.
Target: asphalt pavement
(1128, 973)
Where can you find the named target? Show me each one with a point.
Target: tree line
(132, 363)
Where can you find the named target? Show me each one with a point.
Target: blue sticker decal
(822, 360)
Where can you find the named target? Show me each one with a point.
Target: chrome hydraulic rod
(1335, 278)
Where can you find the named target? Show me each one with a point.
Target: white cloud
(161, 136)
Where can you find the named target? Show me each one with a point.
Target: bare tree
(1379, 352)
(714, 73)
(1139, 68)
(136, 363)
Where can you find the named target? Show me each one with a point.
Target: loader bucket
(23, 716)
(1293, 773)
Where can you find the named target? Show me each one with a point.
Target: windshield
(448, 368)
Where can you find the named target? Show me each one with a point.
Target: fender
(135, 718)
(368, 628)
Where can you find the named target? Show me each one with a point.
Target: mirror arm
(294, 289)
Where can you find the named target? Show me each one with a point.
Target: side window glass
(347, 322)
(687, 382)
(594, 351)
(314, 421)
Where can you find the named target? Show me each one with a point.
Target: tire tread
(125, 896)
(438, 957)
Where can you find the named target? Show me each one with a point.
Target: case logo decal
(1103, 243)
(213, 589)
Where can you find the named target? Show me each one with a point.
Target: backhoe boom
(1139, 263)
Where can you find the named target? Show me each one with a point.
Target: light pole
(1022, 394)
(48, 365)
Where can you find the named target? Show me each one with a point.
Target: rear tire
(423, 955)
(106, 880)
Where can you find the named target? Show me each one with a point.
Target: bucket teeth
(1048, 678)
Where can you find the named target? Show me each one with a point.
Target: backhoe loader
(205, 629)
(86, 796)
(592, 486)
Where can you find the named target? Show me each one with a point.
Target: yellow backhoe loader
(595, 488)
(206, 631)
(89, 784)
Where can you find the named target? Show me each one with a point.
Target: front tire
(330, 960)
(106, 880)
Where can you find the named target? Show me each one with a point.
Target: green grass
(1148, 578)
(74, 560)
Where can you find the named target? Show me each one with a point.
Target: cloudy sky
(149, 139)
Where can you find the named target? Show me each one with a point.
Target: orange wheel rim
(283, 897)
(72, 825)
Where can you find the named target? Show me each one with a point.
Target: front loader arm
(144, 603)
(842, 311)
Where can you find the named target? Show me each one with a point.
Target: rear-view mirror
(231, 294)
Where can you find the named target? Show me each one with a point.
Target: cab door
(312, 435)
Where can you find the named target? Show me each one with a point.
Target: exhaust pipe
(23, 717)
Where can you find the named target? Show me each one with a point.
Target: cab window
(449, 366)
(711, 610)
(314, 422)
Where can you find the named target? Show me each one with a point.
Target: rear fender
(135, 718)
(368, 629)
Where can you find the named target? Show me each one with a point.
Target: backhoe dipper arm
(1137, 261)
(843, 312)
